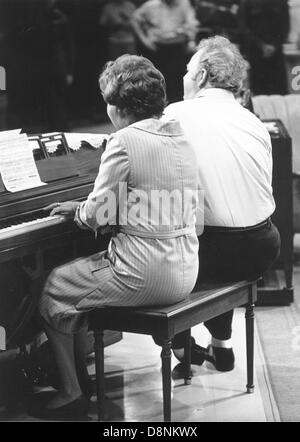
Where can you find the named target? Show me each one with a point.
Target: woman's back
(162, 176)
(154, 250)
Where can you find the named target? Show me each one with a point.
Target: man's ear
(202, 78)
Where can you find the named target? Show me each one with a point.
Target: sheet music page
(17, 166)
(4, 134)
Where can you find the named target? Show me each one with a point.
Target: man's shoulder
(177, 107)
(255, 119)
(257, 128)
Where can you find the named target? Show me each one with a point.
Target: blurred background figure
(91, 53)
(39, 59)
(264, 28)
(294, 36)
(53, 51)
(166, 30)
(3, 94)
(116, 20)
(218, 17)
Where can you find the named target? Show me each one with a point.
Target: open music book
(36, 160)
(17, 166)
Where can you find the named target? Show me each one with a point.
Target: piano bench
(206, 302)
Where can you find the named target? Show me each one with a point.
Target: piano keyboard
(28, 223)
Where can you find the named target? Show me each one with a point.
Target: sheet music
(9, 133)
(17, 167)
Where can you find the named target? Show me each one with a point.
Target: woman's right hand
(66, 209)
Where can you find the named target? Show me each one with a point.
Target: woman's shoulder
(116, 142)
(147, 129)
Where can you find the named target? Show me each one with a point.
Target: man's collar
(216, 93)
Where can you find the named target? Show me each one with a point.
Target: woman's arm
(101, 207)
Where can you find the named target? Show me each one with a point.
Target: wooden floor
(133, 383)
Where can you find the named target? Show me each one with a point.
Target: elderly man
(235, 171)
(166, 29)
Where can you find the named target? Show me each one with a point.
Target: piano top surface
(86, 163)
(15, 206)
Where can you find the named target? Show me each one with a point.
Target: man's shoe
(198, 353)
(222, 358)
(198, 356)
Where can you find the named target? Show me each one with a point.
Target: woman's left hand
(66, 209)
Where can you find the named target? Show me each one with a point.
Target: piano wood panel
(276, 288)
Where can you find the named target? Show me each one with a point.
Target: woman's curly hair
(133, 84)
(225, 66)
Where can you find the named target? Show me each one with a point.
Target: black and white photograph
(149, 213)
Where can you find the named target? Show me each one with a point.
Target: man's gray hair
(225, 66)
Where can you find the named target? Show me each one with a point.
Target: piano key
(38, 214)
(29, 226)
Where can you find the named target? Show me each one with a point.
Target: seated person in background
(152, 258)
(234, 155)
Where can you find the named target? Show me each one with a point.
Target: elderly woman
(152, 257)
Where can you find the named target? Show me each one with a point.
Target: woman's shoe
(76, 410)
(88, 388)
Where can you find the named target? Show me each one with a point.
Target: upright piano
(32, 243)
(276, 287)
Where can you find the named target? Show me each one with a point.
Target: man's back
(234, 157)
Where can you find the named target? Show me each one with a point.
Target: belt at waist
(259, 226)
(156, 235)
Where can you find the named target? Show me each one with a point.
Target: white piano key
(29, 226)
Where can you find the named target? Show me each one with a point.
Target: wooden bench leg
(250, 346)
(187, 358)
(166, 378)
(99, 365)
